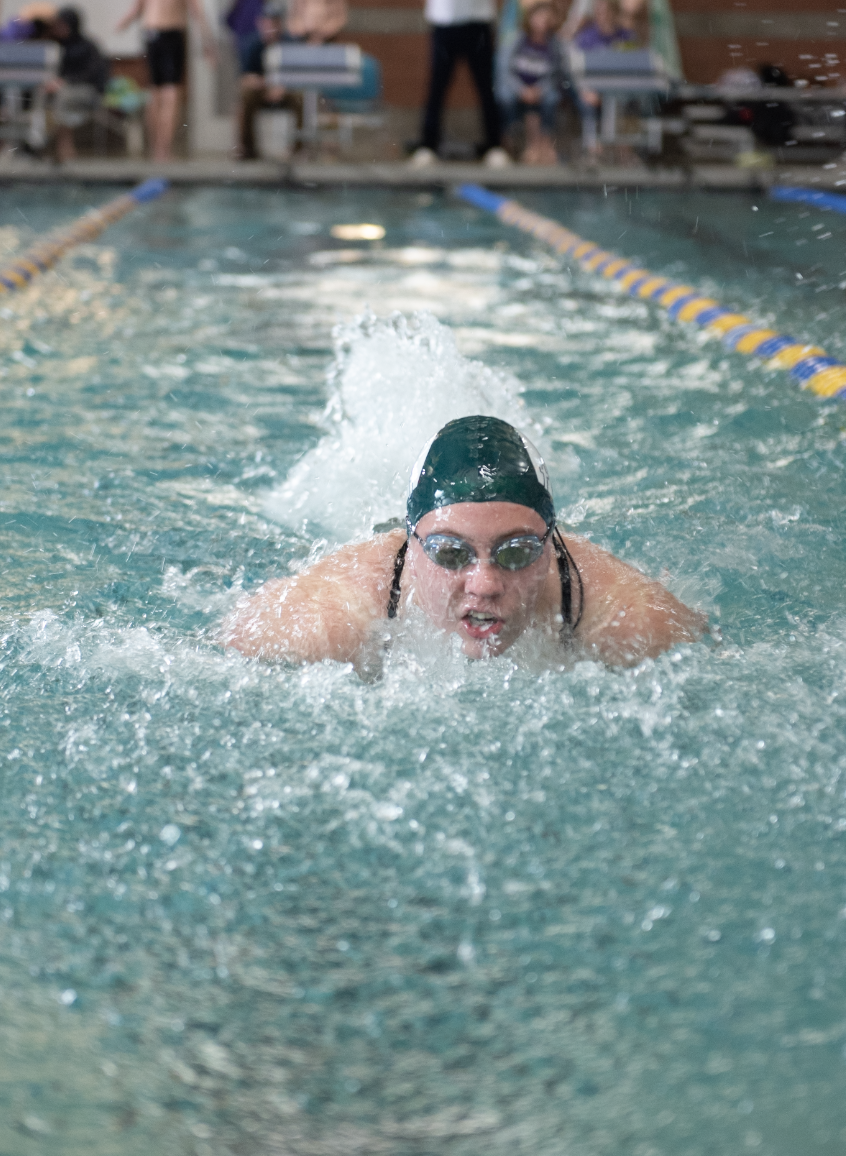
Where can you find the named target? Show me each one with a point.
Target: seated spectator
(604, 29)
(535, 78)
(256, 93)
(79, 87)
(31, 23)
(634, 18)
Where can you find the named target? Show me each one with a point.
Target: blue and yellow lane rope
(21, 270)
(820, 199)
(809, 365)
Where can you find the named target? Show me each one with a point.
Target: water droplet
(170, 834)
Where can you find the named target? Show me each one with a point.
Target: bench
(615, 73)
(25, 67)
(309, 68)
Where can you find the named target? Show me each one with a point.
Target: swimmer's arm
(628, 617)
(132, 15)
(326, 612)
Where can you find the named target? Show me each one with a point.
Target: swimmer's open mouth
(479, 624)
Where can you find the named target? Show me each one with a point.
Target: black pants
(450, 43)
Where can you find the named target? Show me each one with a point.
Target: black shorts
(166, 56)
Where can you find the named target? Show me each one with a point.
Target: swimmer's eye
(450, 553)
(518, 553)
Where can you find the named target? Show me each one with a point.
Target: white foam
(395, 381)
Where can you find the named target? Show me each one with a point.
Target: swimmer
(481, 557)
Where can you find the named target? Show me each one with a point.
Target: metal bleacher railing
(25, 68)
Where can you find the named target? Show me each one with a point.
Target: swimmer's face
(486, 606)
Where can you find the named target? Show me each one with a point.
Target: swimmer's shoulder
(627, 615)
(326, 611)
(353, 581)
(369, 565)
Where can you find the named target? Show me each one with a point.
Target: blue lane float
(21, 270)
(808, 365)
(815, 197)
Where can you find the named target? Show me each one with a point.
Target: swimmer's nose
(483, 579)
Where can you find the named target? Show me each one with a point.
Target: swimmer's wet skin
(483, 559)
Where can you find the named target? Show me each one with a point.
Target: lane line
(808, 365)
(816, 197)
(24, 268)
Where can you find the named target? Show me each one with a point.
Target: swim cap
(479, 459)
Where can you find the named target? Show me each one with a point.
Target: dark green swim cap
(479, 459)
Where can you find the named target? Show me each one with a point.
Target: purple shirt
(243, 16)
(590, 37)
(532, 63)
(17, 30)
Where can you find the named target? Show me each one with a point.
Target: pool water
(465, 908)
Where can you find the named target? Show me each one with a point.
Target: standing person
(461, 29)
(535, 78)
(165, 24)
(79, 87)
(242, 19)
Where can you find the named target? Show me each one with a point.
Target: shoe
(422, 158)
(497, 159)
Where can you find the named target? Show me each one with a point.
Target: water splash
(395, 382)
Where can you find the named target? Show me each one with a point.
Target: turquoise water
(467, 908)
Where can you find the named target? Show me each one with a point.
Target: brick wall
(806, 37)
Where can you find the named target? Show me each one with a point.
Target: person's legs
(65, 147)
(166, 61)
(588, 105)
(540, 144)
(512, 116)
(251, 101)
(443, 57)
(478, 50)
(164, 120)
(548, 109)
(547, 115)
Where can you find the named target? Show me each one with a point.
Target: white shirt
(460, 11)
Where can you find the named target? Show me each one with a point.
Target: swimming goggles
(454, 553)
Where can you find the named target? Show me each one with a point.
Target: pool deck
(221, 171)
